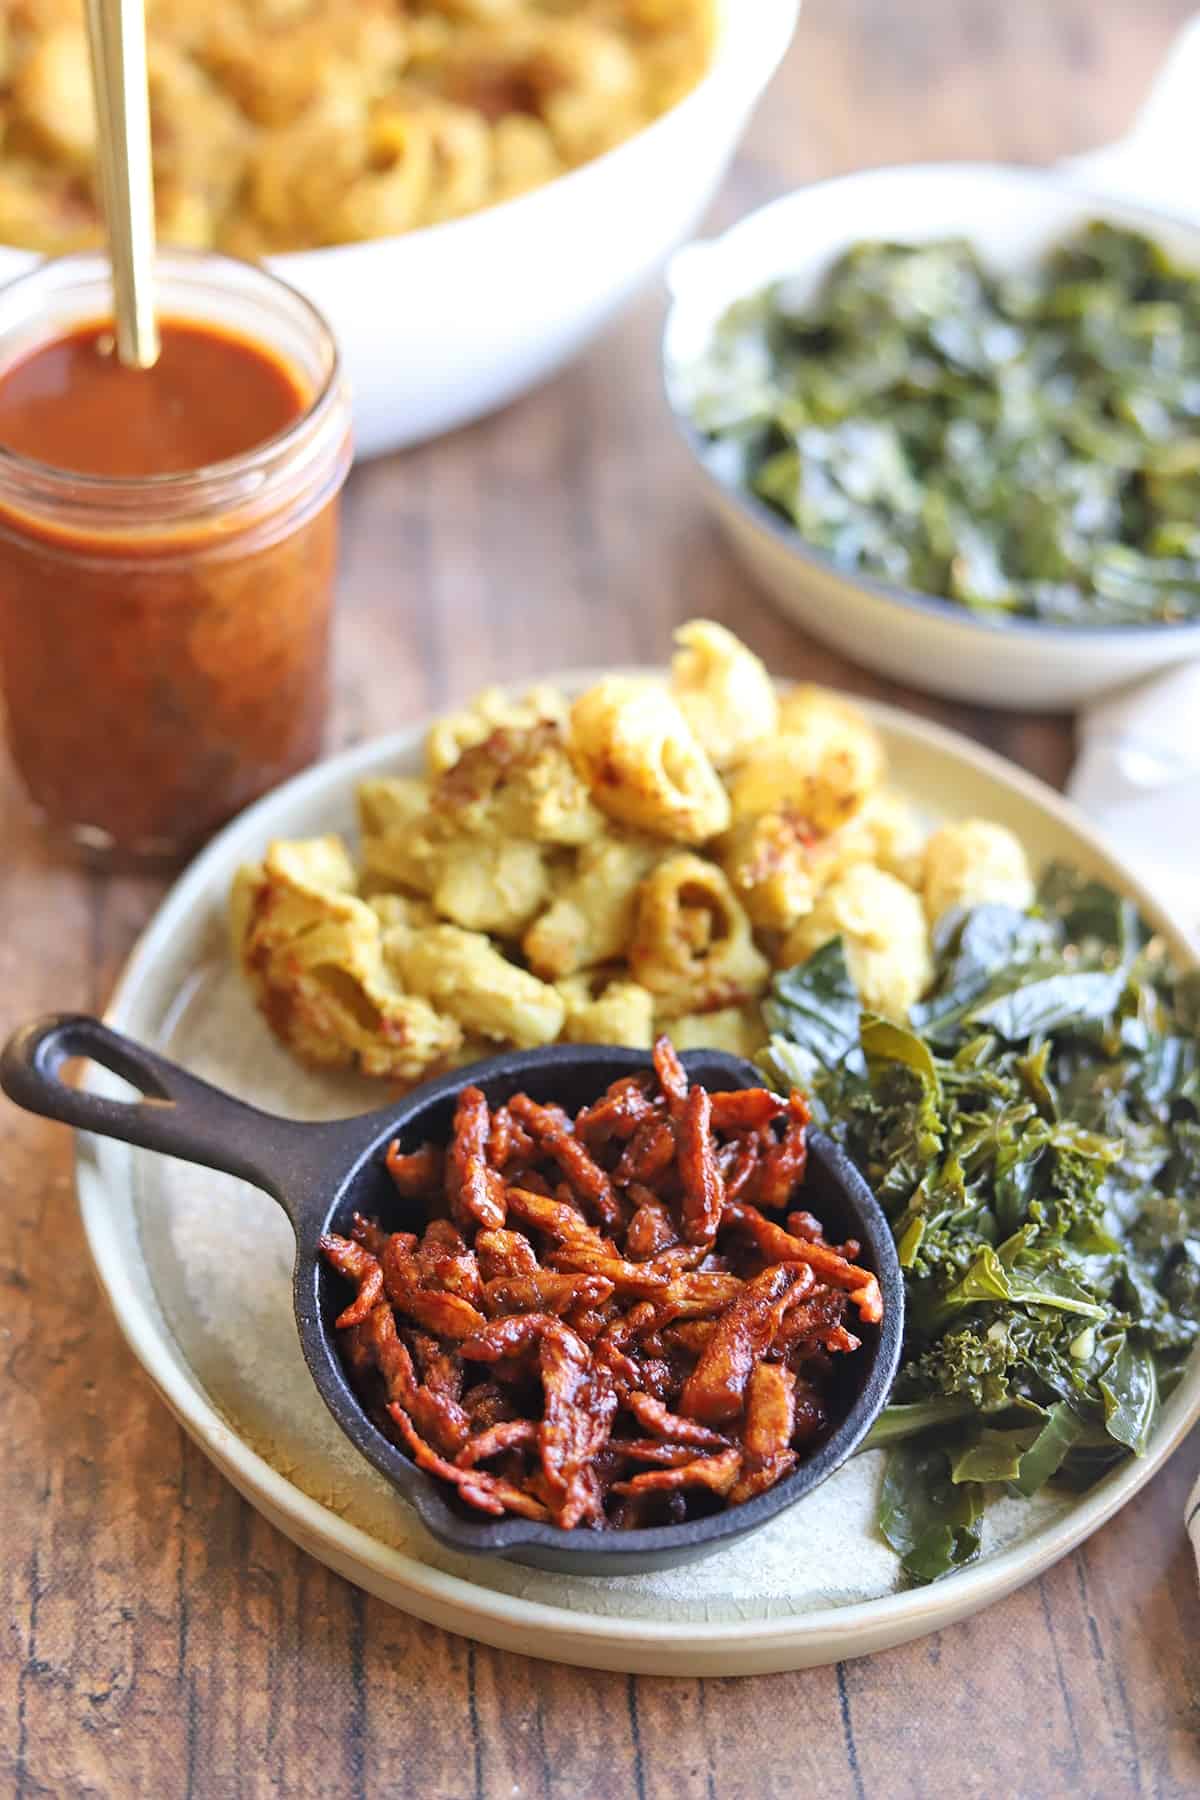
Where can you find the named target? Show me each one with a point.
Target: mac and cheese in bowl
(292, 124)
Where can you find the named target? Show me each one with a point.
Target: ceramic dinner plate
(197, 1265)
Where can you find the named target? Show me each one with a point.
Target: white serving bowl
(439, 326)
(1012, 216)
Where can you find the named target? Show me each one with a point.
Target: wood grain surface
(159, 1638)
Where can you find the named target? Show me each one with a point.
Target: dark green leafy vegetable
(1055, 1441)
(898, 1421)
(814, 1010)
(931, 1522)
(1021, 446)
(1073, 999)
(1034, 1138)
(994, 1455)
(1130, 1390)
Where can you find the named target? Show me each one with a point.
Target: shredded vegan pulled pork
(600, 1324)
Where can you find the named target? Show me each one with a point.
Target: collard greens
(1034, 1138)
(1025, 446)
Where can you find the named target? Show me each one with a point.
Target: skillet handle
(179, 1114)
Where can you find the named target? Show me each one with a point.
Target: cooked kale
(1034, 1138)
(1024, 446)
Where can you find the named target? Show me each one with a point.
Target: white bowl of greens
(936, 492)
(966, 468)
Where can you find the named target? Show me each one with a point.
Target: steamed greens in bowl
(1033, 1134)
(1024, 446)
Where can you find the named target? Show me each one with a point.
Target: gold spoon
(117, 43)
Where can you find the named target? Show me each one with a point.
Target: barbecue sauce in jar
(167, 556)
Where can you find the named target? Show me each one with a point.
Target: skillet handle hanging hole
(176, 1113)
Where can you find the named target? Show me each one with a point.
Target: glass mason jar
(164, 639)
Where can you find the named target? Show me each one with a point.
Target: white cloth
(1138, 775)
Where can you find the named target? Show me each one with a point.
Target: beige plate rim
(634, 1645)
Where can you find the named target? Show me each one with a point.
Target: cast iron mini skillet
(323, 1173)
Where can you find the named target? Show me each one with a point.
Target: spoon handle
(117, 41)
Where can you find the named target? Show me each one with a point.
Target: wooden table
(159, 1638)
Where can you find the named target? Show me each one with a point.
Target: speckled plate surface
(214, 1330)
